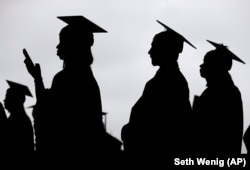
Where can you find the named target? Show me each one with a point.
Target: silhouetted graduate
(218, 111)
(19, 129)
(247, 140)
(68, 116)
(158, 124)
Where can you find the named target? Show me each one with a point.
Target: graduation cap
(82, 22)
(226, 51)
(19, 88)
(177, 35)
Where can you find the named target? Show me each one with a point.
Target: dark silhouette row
(68, 116)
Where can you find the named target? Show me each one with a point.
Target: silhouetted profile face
(165, 48)
(75, 44)
(76, 40)
(13, 99)
(215, 62)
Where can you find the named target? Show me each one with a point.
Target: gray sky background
(122, 65)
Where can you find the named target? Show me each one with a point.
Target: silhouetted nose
(150, 51)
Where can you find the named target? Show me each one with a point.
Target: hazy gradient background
(122, 65)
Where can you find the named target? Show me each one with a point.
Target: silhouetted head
(76, 39)
(15, 96)
(166, 46)
(218, 61)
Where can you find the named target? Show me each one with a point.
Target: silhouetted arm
(35, 72)
(39, 86)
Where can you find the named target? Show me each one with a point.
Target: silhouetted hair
(166, 39)
(219, 59)
(77, 34)
(79, 40)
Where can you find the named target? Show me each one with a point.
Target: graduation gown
(159, 119)
(68, 118)
(19, 135)
(219, 118)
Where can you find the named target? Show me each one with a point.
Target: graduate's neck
(169, 65)
(219, 79)
(75, 65)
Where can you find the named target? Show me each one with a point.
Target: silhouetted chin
(154, 63)
(60, 56)
(202, 74)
